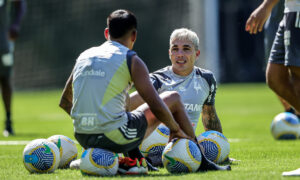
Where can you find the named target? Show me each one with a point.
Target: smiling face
(183, 56)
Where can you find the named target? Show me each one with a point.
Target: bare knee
(277, 75)
(171, 96)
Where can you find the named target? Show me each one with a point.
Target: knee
(171, 96)
(272, 80)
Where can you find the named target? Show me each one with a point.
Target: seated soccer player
(196, 86)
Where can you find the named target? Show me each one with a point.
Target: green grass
(245, 110)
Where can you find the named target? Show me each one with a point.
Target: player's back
(100, 82)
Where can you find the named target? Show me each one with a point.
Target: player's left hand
(14, 32)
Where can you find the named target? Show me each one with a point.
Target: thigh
(277, 73)
(295, 74)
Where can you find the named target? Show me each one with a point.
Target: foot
(292, 173)
(143, 166)
(211, 166)
(8, 129)
(129, 166)
(75, 164)
(207, 165)
(150, 166)
(8, 132)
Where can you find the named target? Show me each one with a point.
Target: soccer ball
(181, 156)
(67, 149)
(215, 144)
(153, 146)
(41, 156)
(285, 126)
(96, 161)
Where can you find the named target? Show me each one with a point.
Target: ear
(133, 36)
(106, 34)
(198, 53)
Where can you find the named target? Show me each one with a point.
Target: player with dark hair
(101, 79)
(11, 13)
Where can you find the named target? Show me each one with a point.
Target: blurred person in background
(283, 69)
(11, 13)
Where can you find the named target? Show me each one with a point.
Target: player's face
(183, 56)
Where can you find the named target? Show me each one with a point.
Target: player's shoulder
(206, 74)
(161, 74)
(203, 72)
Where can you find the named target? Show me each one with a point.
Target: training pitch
(245, 111)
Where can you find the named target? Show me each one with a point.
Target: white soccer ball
(41, 156)
(285, 126)
(181, 156)
(215, 144)
(96, 161)
(67, 149)
(153, 146)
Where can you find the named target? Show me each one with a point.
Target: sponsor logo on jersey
(192, 107)
(94, 73)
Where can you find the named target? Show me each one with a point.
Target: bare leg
(278, 79)
(6, 93)
(173, 101)
(7, 96)
(295, 74)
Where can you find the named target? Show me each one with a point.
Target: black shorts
(286, 46)
(121, 140)
(6, 64)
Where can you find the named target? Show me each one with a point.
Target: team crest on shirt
(197, 86)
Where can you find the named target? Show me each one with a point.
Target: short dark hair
(120, 22)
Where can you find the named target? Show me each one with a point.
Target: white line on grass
(4, 143)
(234, 140)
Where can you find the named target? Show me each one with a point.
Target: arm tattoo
(210, 119)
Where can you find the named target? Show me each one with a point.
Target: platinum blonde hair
(185, 34)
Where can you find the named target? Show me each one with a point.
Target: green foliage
(245, 110)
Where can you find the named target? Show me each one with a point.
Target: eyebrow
(185, 46)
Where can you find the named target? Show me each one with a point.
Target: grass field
(245, 110)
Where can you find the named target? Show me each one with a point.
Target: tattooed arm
(210, 118)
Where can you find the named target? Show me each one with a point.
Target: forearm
(165, 116)
(210, 119)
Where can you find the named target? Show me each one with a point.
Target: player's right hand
(257, 19)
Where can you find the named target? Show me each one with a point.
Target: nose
(180, 53)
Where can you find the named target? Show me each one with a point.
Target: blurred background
(55, 32)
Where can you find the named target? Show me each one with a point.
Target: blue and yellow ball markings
(46, 158)
(102, 159)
